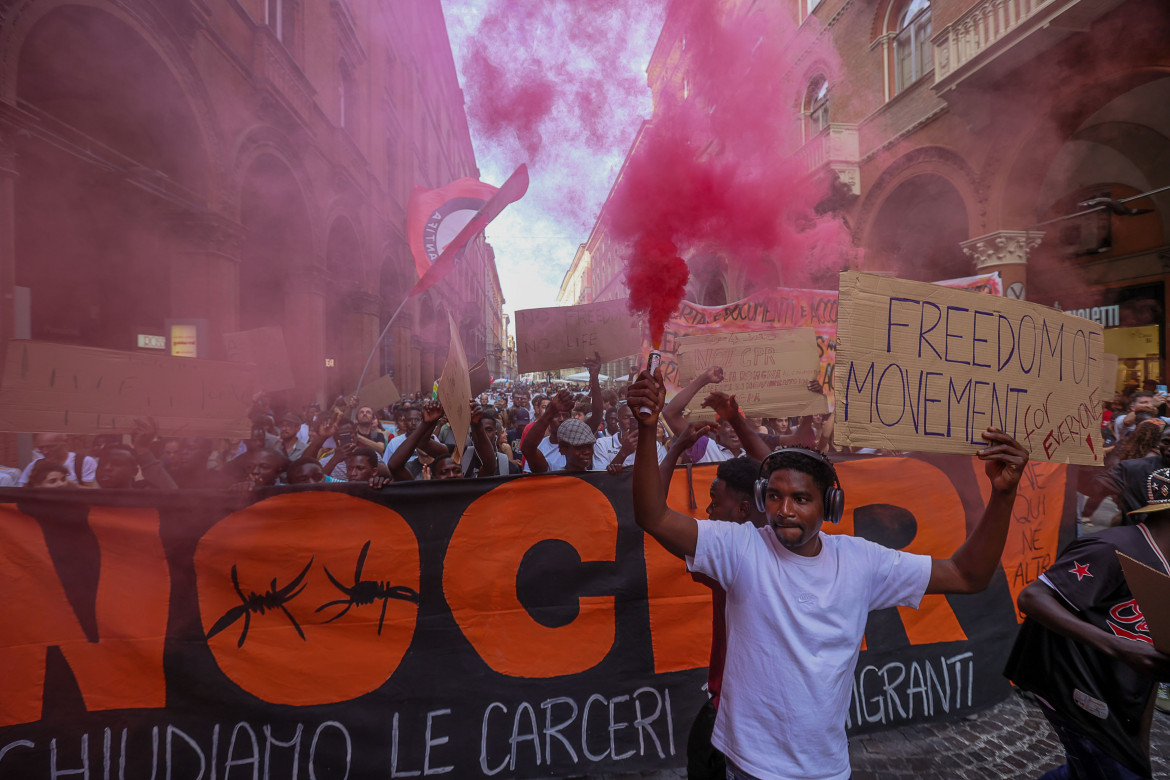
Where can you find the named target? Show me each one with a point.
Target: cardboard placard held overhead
(481, 378)
(265, 349)
(61, 388)
(1150, 587)
(928, 368)
(768, 371)
(455, 391)
(379, 394)
(564, 336)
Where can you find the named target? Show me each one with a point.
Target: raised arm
(675, 531)
(483, 445)
(561, 403)
(683, 442)
(673, 413)
(727, 408)
(969, 570)
(597, 413)
(432, 412)
(153, 471)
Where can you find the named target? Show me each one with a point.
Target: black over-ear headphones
(834, 495)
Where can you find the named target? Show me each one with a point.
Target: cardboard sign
(481, 378)
(1150, 587)
(564, 336)
(379, 394)
(455, 391)
(927, 368)
(265, 349)
(768, 371)
(61, 388)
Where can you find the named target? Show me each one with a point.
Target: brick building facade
(965, 135)
(234, 164)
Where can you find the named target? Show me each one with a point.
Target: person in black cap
(1085, 649)
(519, 417)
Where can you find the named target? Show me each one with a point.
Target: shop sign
(1105, 316)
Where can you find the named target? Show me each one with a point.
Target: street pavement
(1008, 741)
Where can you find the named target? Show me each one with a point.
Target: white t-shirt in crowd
(794, 629)
(556, 461)
(608, 446)
(88, 468)
(397, 442)
(715, 452)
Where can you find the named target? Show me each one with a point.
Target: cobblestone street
(1010, 741)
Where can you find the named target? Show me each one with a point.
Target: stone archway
(280, 282)
(351, 317)
(112, 159)
(917, 230)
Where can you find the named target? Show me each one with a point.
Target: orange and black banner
(515, 627)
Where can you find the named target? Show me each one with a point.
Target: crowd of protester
(516, 427)
(520, 427)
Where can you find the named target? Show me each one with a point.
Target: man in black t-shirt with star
(1085, 650)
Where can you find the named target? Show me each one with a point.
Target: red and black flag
(441, 222)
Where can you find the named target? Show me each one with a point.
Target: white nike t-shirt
(794, 629)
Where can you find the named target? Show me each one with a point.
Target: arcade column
(360, 329)
(205, 273)
(400, 355)
(427, 369)
(304, 331)
(8, 174)
(14, 448)
(1005, 251)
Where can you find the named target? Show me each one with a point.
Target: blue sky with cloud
(594, 55)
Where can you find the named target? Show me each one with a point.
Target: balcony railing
(978, 29)
(836, 147)
(277, 69)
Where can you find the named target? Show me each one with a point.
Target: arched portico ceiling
(918, 230)
(278, 239)
(1126, 141)
(91, 73)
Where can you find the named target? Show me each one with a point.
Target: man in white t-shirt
(55, 447)
(797, 599)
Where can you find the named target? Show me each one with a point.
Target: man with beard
(798, 599)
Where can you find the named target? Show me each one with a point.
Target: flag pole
(378, 343)
(509, 192)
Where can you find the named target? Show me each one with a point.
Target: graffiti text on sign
(899, 691)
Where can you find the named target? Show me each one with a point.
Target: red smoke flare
(657, 278)
(717, 172)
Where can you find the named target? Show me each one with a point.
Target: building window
(816, 105)
(912, 50)
(347, 95)
(278, 14)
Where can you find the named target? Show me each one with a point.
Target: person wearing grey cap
(574, 440)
